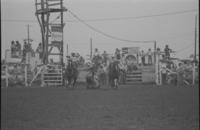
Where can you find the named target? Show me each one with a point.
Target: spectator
(117, 54)
(24, 52)
(13, 49)
(143, 57)
(39, 50)
(163, 73)
(139, 55)
(18, 48)
(96, 52)
(149, 57)
(105, 56)
(180, 73)
(73, 57)
(167, 52)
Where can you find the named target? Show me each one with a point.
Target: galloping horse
(71, 73)
(114, 73)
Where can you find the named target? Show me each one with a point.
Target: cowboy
(117, 54)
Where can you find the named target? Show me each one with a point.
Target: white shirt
(149, 53)
(96, 53)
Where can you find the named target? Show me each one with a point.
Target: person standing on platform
(167, 52)
(18, 48)
(105, 57)
(143, 57)
(39, 50)
(149, 57)
(96, 52)
(12, 48)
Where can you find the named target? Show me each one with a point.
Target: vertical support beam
(28, 38)
(154, 52)
(6, 68)
(47, 39)
(194, 64)
(43, 33)
(67, 50)
(7, 75)
(61, 13)
(158, 76)
(42, 77)
(91, 48)
(26, 75)
(195, 38)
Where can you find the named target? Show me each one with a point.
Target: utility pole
(195, 38)
(28, 33)
(90, 47)
(155, 52)
(67, 50)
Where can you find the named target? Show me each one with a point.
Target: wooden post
(154, 52)
(195, 37)
(26, 75)
(90, 47)
(6, 68)
(7, 75)
(67, 50)
(62, 26)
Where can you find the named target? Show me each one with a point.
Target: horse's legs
(116, 83)
(74, 81)
(69, 82)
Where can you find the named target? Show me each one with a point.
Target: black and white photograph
(99, 65)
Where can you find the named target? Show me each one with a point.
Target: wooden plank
(54, 4)
(54, 0)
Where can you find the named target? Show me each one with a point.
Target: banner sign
(130, 50)
(56, 33)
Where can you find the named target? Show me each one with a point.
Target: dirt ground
(136, 107)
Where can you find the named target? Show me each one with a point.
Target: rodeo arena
(130, 88)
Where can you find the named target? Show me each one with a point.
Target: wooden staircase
(134, 77)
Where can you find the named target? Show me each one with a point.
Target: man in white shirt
(96, 52)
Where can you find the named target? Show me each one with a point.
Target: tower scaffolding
(52, 34)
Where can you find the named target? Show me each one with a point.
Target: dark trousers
(150, 60)
(143, 60)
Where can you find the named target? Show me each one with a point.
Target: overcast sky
(175, 30)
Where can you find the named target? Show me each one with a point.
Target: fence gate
(52, 75)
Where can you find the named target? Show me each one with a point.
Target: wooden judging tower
(52, 35)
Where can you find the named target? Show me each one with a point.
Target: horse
(71, 73)
(97, 60)
(114, 73)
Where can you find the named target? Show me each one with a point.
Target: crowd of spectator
(15, 49)
(18, 52)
